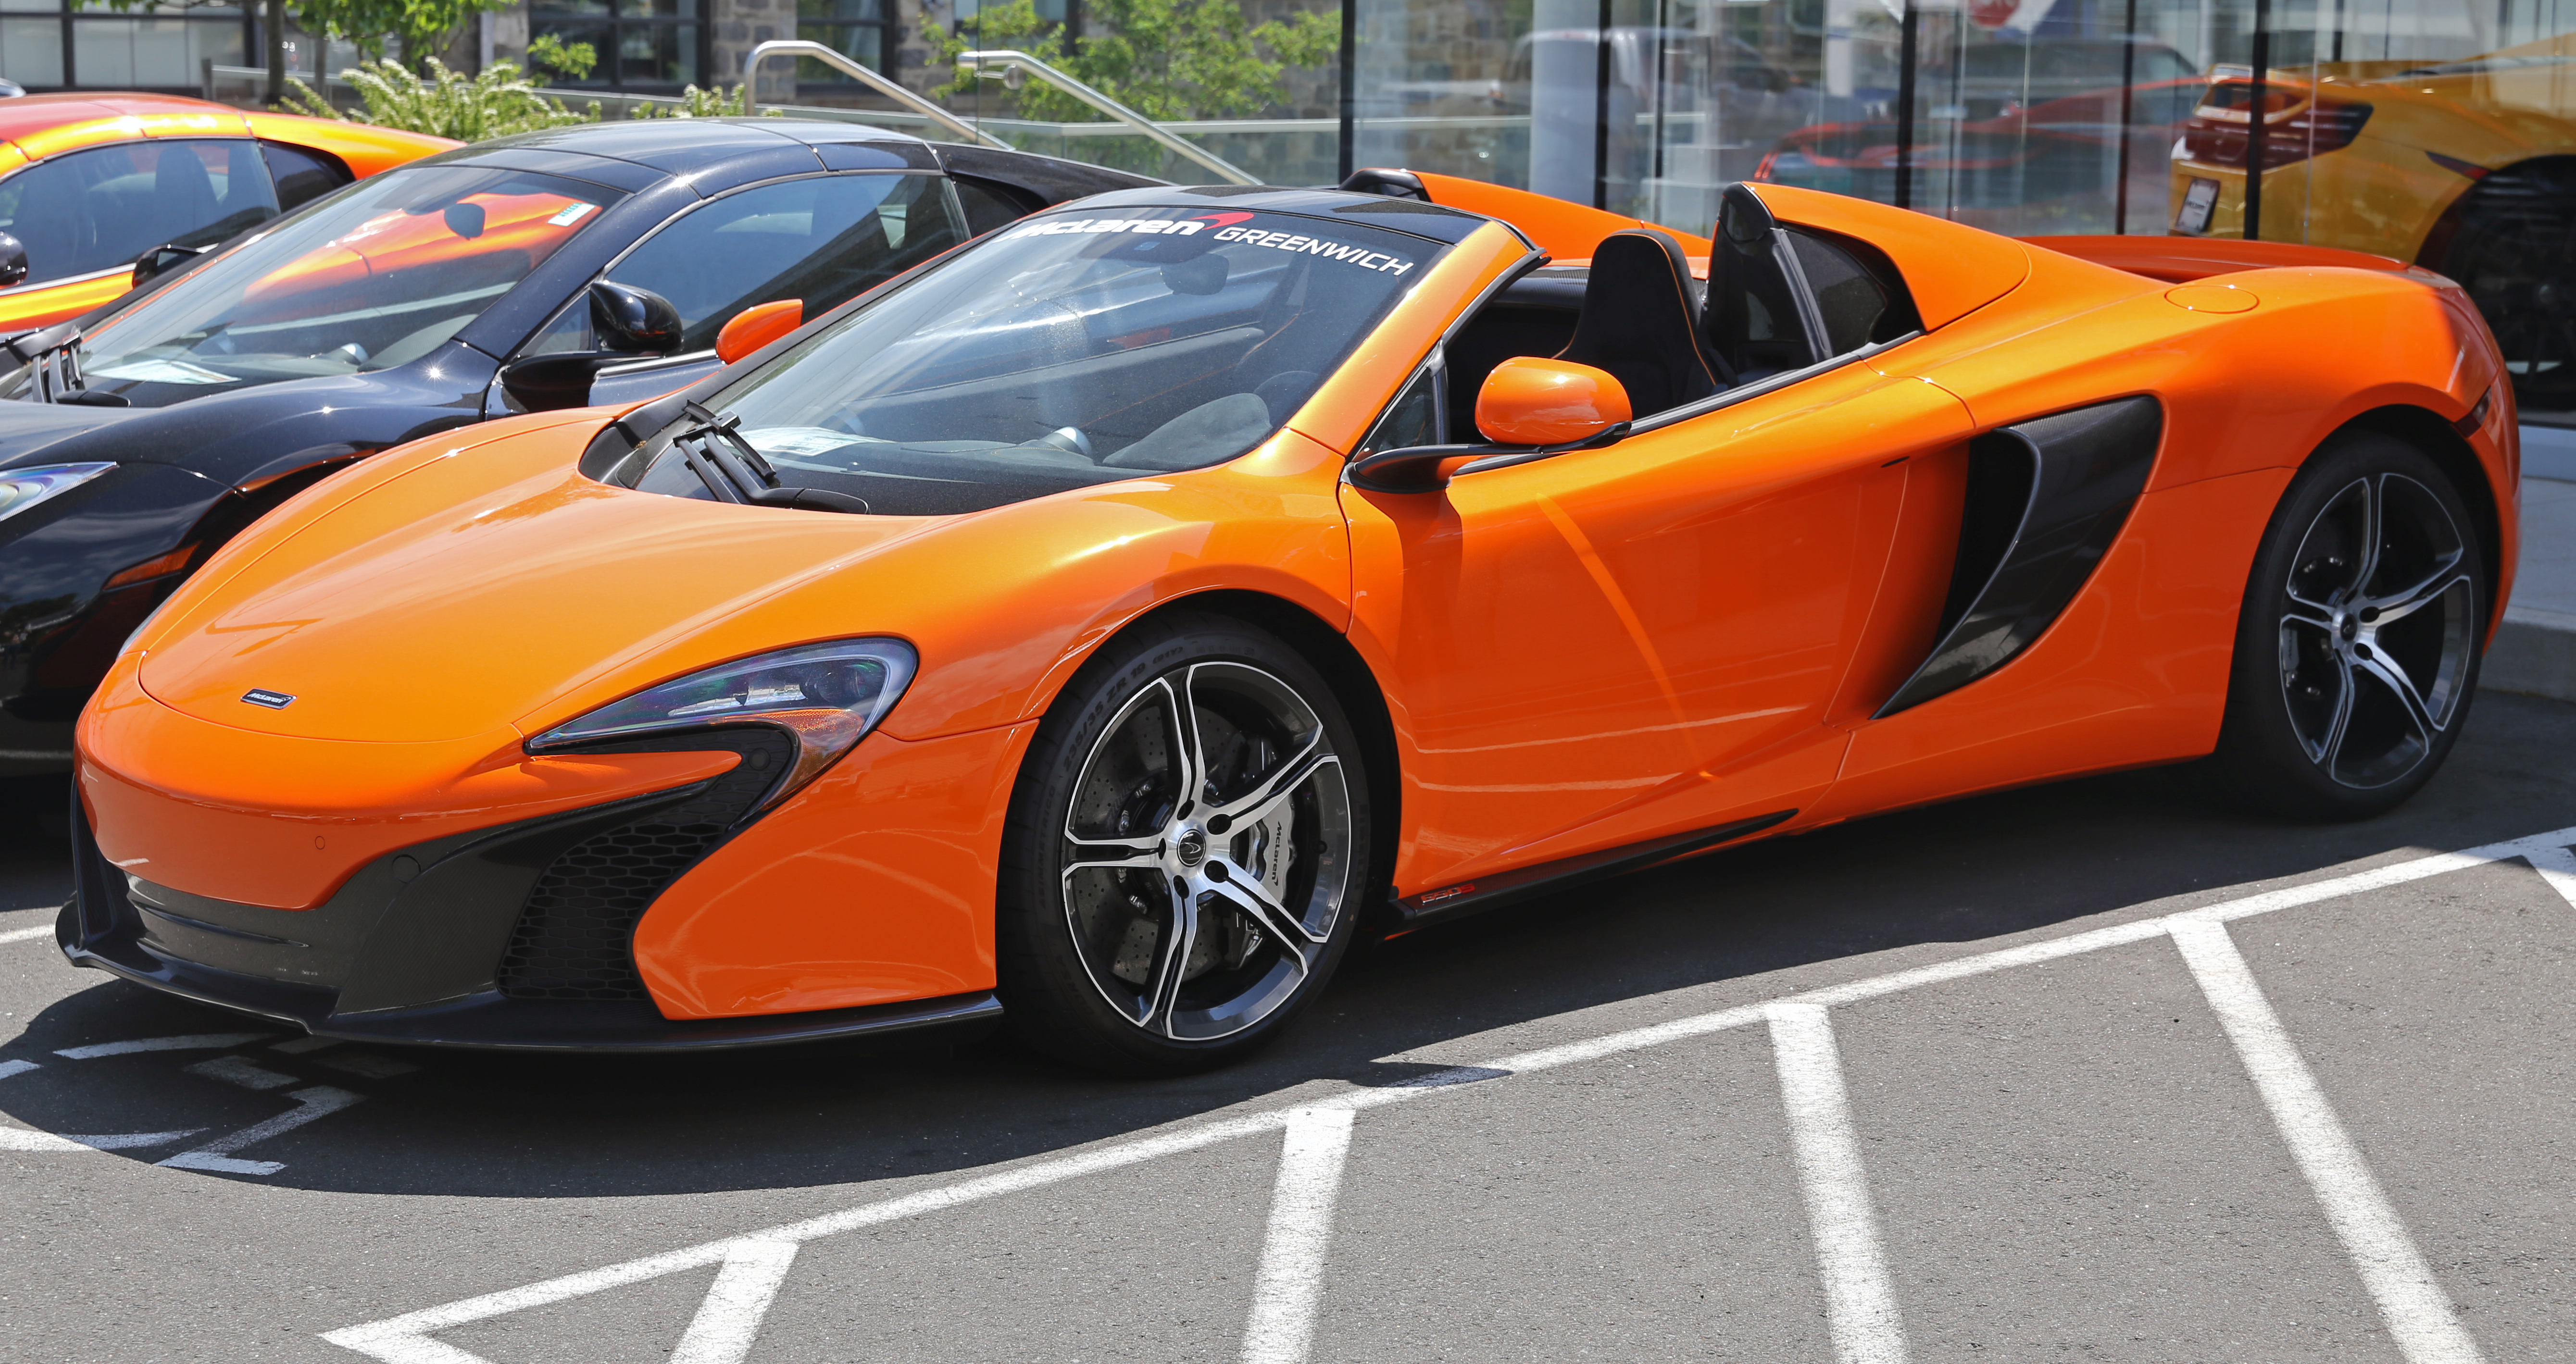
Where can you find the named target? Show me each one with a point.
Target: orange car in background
(90, 183)
(1100, 627)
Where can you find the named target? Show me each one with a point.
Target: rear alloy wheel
(1185, 853)
(2358, 649)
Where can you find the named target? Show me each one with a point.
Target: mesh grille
(575, 934)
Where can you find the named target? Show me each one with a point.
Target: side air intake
(2046, 498)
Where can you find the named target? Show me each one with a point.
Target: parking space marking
(203, 1041)
(9, 1068)
(28, 1139)
(1860, 1302)
(729, 1320)
(2418, 1312)
(317, 1101)
(28, 934)
(406, 1339)
(235, 1070)
(1290, 1283)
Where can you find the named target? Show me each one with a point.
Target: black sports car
(586, 264)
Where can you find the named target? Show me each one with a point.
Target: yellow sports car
(2467, 168)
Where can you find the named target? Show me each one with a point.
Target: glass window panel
(602, 40)
(103, 52)
(32, 7)
(31, 50)
(101, 208)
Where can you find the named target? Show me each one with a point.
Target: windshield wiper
(736, 471)
(51, 350)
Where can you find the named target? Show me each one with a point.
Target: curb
(2549, 452)
(2534, 653)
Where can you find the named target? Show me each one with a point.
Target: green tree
(1166, 59)
(572, 61)
(420, 26)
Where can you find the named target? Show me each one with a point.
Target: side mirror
(13, 261)
(757, 326)
(1528, 401)
(153, 264)
(633, 321)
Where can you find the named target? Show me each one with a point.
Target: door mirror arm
(1428, 468)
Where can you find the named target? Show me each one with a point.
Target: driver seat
(1641, 322)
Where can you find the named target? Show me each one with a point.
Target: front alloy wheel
(1198, 875)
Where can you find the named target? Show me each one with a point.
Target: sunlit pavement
(2096, 1071)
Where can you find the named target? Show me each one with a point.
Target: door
(1624, 644)
(1607, 647)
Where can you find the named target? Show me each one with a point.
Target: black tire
(2512, 245)
(1107, 867)
(2357, 652)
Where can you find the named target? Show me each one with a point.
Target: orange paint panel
(1566, 231)
(364, 148)
(1912, 587)
(2217, 424)
(872, 885)
(1951, 270)
(502, 543)
(43, 305)
(263, 819)
(1614, 644)
(190, 119)
(2134, 672)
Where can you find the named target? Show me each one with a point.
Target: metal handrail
(841, 62)
(1007, 59)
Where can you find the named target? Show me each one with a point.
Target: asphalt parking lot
(2094, 1072)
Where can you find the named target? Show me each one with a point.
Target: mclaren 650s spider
(1100, 627)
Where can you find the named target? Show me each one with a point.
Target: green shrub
(496, 103)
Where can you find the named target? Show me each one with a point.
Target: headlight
(827, 695)
(24, 488)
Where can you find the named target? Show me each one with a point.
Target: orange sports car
(91, 184)
(1111, 620)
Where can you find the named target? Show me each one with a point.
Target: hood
(478, 586)
(27, 429)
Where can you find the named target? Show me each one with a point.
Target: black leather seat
(1641, 322)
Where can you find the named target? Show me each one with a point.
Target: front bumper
(421, 946)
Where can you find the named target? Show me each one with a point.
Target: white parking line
(26, 934)
(216, 1155)
(405, 1339)
(203, 1041)
(729, 1320)
(1290, 1283)
(1860, 1303)
(2418, 1312)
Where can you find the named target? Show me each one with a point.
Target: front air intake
(576, 932)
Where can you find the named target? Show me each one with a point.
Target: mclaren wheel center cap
(1191, 846)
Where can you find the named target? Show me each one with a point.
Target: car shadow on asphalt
(508, 1126)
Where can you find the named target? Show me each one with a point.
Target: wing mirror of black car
(634, 321)
(156, 262)
(13, 261)
(631, 323)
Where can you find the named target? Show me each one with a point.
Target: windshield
(1070, 350)
(368, 279)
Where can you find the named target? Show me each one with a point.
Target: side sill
(1547, 878)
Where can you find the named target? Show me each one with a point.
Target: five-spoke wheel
(1186, 853)
(2359, 643)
